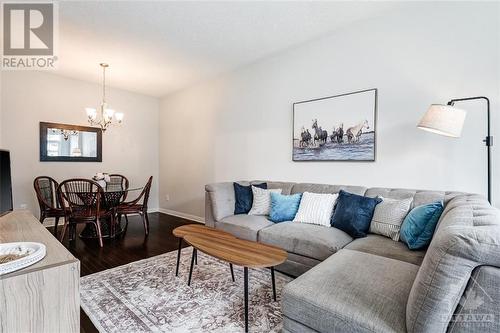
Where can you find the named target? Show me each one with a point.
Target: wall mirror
(70, 143)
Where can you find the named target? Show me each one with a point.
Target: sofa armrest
(209, 216)
(219, 201)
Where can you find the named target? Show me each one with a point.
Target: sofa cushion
(262, 200)
(353, 213)
(222, 199)
(386, 247)
(316, 208)
(284, 207)
(308, 240)
(351, 292)
(243, 196)
(388, 217)
(243, 226)
(419, 225)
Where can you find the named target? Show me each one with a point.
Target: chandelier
(65, 133)
(106, 115)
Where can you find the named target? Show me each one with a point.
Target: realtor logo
(29, 35)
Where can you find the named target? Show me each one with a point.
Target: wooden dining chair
(83, 201)
(118, 182)
(137, 206)
(48, 199)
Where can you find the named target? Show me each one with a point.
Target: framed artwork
(336, 128)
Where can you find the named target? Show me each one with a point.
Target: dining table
(113, 197)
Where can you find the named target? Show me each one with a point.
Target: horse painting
(354, 133)
(338, 134)
(336, 128)
(305, 136)
(320, 135)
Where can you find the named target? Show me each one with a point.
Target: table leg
(232, 271)
(178, 257)
(191, 268)
(274, 283)
(245, 270)
(196, 258)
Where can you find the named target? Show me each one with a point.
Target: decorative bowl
(27, 254)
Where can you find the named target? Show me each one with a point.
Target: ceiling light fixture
(107, 115)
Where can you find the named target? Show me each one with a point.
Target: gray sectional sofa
(375, 284)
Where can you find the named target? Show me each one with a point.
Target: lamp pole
(488, 140)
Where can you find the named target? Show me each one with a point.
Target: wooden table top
(238, 251)
(184, 230)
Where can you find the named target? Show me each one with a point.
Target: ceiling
(156, 48)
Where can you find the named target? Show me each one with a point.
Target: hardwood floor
(131, 247)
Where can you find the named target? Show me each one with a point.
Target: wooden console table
(44, 297)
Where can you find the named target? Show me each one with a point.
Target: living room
(238, 118)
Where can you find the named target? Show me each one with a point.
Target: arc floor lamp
(448, 120)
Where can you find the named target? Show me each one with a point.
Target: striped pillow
(262, 200)
(316, 208)
(388, 217)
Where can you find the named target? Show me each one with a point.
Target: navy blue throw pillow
(353, 213)
(244, 197)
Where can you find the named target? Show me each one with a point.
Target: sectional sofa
(375, 284)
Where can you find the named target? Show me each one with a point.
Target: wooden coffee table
(184, 230)
(240, 252)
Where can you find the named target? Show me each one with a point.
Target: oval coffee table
(239, 252)
(184, 230)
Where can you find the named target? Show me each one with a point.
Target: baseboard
(50, 222)
(182, 215)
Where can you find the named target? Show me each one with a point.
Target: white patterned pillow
(316, 208)
(262, 200)
(388, 217)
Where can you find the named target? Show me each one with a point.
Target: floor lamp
(448, 120)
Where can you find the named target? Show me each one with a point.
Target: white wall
(239, 126)
(28, 97)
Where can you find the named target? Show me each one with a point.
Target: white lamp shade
(119, 117)
(108, 113)
(443, 119)
(91, 113)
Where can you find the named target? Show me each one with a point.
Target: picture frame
(341, 127)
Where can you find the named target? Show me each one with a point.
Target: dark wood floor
(131, 247)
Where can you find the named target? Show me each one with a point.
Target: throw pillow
(354, 213)
(388, 216)
(316, 208)
(419, 225)
(262, 201)
(244, 197)
(284, 207)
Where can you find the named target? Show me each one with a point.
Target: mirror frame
(43, 143)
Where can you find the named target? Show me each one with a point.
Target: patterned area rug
(146, 296)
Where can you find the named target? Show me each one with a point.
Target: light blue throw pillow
(419, 225)
(284, 207)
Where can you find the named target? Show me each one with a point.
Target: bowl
(30, 253)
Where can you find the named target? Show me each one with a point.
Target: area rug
(146, 296)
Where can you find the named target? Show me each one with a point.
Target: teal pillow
(284, 207)
(419, 225)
